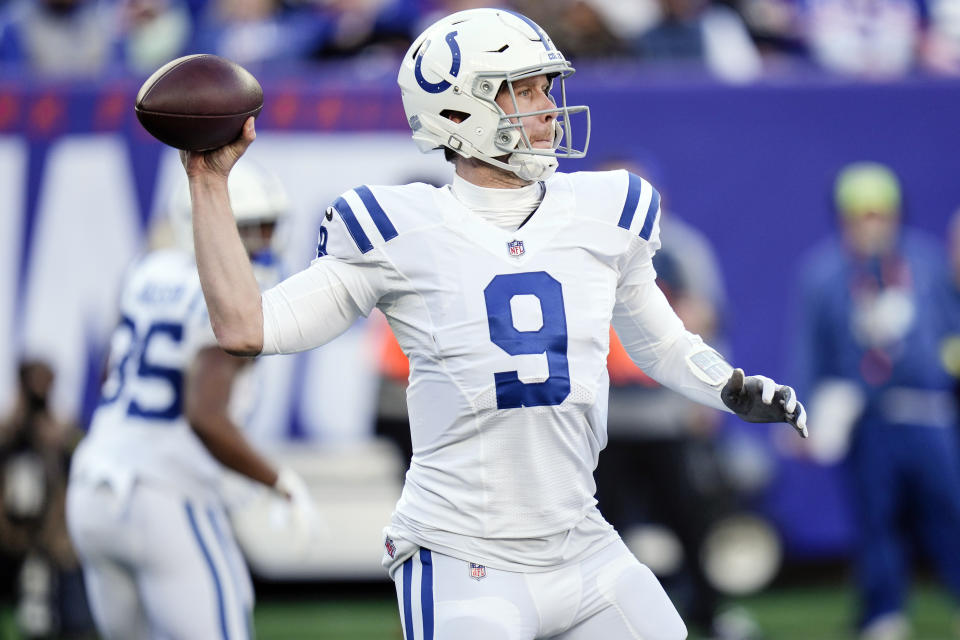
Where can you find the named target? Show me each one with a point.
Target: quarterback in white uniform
(500, 288)
(144, 508)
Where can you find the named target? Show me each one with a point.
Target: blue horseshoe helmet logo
(443, 85)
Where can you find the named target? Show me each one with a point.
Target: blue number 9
(550, 339)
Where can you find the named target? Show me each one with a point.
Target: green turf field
(794, 613)
(808, 613)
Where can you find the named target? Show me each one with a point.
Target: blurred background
(743, 113)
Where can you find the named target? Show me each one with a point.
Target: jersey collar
(554, 212)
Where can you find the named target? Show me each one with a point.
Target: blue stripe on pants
(213, 570)
(407, 605)
(229, 557)
(426, 593)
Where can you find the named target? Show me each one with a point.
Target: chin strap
(526, 166)
(532, 168)
(536, 168)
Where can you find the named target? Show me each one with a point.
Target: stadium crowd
(736, 40)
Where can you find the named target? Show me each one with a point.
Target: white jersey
(507, 333)
(138, 429)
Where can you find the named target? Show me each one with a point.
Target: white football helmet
(257, 197)
(459, 64)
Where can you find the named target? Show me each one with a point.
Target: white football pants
(607, 596)
(158, 564)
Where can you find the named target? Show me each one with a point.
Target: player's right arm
(304, 311)
(226, 276)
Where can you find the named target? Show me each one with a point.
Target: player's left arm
(660, 345)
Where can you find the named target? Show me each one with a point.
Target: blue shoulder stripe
(652, 211)
(633, 198)
(353, 226)
(384, 226)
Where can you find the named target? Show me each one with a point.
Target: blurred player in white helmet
(144, 505)
(500, 289)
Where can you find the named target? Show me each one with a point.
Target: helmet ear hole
(453, 114)
(414, 52)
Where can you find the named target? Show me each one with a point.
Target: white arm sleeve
(314, 306)
(657, 342)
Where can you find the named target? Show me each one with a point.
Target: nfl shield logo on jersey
(391, 548)
(515, 247)
(477, 571)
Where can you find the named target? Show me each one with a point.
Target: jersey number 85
(138, 350)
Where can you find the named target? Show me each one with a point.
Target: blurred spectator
(872, 322)
(152, 32)
(883, 38)
(661, 464)
(367, 27)
(628, 20)
(874, 38)
(941, 46)
(58, 37)
(263, 31)
(861, 38)
(257, 31)
(697, 31)
(576, 27)
(35, 451)
(776, 26)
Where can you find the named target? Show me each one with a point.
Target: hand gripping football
(198, 102)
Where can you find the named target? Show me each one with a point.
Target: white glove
(297, 511)
(760, 399)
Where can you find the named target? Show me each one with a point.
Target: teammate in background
(874, 315)
(144, 506)
(500, 288)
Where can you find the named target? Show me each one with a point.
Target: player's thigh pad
(100, 532)
(188, 576)
(623, 600)
(442, 598)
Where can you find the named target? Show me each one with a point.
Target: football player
(144, 506)
(500, 288)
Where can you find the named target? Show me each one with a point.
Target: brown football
(198, 102)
